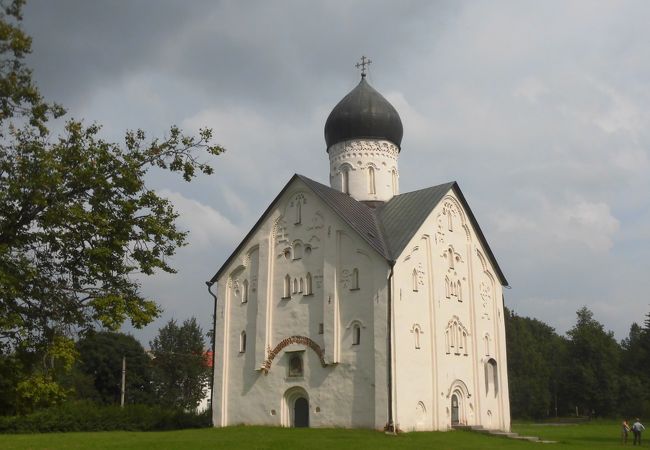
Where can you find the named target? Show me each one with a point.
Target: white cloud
(551, 225)
(206, 225)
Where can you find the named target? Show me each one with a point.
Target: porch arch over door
(457, 398)
(295, 407)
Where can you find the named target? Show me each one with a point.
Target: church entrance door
(454, 410)
(301, 413)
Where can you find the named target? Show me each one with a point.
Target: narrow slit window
(371, 180)
(355, 279)
(287, 287)
(415, 280)
(345, 180)
(242, 342)
(244, 295)
(308, 290)
(356, 334)
(447, 343)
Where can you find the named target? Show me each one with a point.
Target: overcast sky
(540, 110)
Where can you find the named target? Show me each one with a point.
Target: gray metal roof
(387, 228)
(403, 215)
(356, 214)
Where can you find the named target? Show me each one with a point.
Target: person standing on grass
(625, 429)
(637, 428)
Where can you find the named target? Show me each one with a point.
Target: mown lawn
(593, 436)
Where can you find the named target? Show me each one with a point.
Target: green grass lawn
(594, 435)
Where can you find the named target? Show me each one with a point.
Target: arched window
(394, 178)
(345, 180)
(415, 280)
(486, 341)
(459, 291)
(355, 279)
(447, 288)
(491, 377)
(297, 250)
(301, 285)
(371, 180)
(295, 285)
(416, 336)
(451, 257)
(242, 342)
(298, 211)
(244, 295)
(308, 290)
(356, 334)
(450, 223)
(287, 286)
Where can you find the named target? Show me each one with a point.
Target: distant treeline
(586, 373)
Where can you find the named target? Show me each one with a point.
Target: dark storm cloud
(279, 55)
(539, 110)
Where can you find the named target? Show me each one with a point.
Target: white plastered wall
(349, 389)
(361, 161)
(437, 291)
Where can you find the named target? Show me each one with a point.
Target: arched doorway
(301, 413)
(455, 416)
(295, 408)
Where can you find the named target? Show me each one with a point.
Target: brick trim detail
(300, 340)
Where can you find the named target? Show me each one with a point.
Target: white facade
(304, 282)
(449, 328)
(301, 240)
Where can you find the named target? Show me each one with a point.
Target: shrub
(85, 416)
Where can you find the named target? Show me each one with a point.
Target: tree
(180, 374)
(100, 359)
(77, 218)
(591, 379)
(534, 356)
(634, 392)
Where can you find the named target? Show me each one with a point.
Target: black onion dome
(363, 113)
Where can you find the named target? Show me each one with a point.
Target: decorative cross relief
(346, 275)
(419, 274)
(486, 296)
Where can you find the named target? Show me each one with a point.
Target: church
(354, 305)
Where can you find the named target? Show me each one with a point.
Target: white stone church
(354, 305)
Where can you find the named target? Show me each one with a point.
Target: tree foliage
(180, 373)
(534, 353)
(77, 219)
(592, 369)
(100, 360)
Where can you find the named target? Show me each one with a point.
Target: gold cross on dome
(365, 62)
